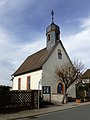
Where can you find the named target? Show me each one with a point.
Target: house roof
(34, 62)
(86, 75)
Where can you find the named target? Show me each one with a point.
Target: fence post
(38, 92)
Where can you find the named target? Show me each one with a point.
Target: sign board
(46, 89)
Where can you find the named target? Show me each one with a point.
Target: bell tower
(52, 33)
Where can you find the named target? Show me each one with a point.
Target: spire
(52, 13)
(52, 33)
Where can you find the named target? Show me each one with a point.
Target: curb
(34, 113)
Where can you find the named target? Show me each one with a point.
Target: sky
(23, 26)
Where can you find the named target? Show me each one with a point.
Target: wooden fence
(16, 100)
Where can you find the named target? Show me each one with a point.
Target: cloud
(21, 26)
(15, 17)
(85, 23)
(78, 45)
(17, 39)
(2, 2)
(12, 54)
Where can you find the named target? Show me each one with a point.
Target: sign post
(38, 92)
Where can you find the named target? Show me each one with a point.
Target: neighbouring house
(86, 76)
(81, 88)
(84, 86)
(71, 91)
(37, 72)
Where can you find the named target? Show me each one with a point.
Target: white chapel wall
(49, 75)
(35, 77)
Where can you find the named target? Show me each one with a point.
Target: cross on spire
(52, 13)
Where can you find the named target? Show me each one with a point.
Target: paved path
(28, 113)
(78, 113)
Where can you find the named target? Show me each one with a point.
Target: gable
(53, 59)
(49, 76)
(35, 61)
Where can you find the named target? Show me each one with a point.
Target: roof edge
(27, 72)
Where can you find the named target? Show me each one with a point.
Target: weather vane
(52, 13)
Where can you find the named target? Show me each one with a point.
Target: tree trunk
(65, 96)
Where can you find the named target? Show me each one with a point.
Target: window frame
(48, 37)
(28, 83)
(57, 36)
(59, 54)
(19, 83)
(62, 88)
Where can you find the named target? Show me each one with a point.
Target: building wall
(54, 98)
(35, 78)
(71, 91)
(49, 76)
(57, 98)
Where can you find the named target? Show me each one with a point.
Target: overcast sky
(23, 25)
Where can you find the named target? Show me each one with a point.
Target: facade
(37, 72)
(28, 81)
(71, 91)
(83, 87)
(86, 76)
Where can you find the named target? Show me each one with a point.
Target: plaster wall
(35, 81)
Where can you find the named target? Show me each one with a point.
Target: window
(28, 83)
(48, 37)
(19, 83)
(46, 89)
(60, 88)
(57, 36)
(59, 54)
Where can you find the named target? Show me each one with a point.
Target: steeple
(52, 33)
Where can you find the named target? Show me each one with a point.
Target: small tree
(70, 73)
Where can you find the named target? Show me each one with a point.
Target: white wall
(71, 91)
(35, 77)
(49, 76)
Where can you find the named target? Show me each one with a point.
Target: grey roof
(34, 62)
(52, 27)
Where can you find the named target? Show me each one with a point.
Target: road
(78, 113)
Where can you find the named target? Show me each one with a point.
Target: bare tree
(70, 73)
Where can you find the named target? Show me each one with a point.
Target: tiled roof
(34, 62)
(86, 75)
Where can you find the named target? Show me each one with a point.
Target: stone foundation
(54, 98)
(57, 98)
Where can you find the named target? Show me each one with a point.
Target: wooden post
(38, 92)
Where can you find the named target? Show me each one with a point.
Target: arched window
(60, 88)
(57, 36)
(59, 54)
(48, 37)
